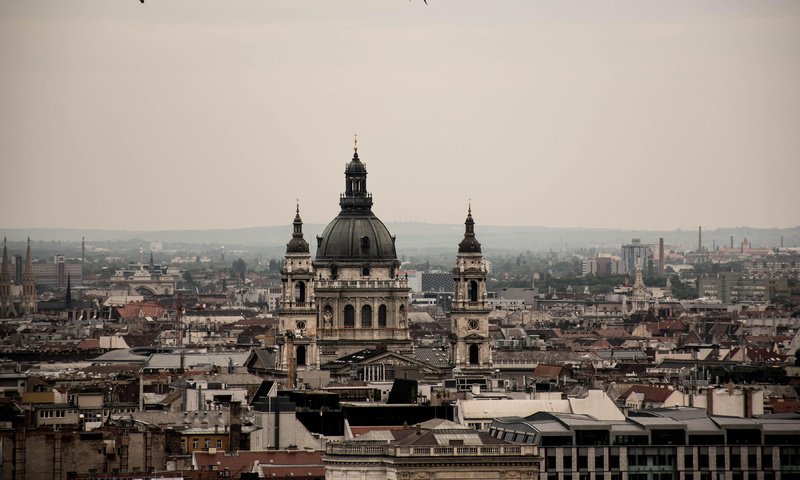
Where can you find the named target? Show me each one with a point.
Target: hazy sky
(218, 114)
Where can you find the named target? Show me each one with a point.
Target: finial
(298, 205)
(469, 206)
(355, 142)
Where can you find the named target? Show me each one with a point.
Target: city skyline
(195, 115)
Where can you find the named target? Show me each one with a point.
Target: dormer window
(365, 242)
(365, 271)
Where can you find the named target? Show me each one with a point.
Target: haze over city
(198, 114)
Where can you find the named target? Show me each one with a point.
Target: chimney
(731, 242)
(661, 256)
(710, 401)
(748, 403)
(700, 238)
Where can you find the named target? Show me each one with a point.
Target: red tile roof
(651, 393)
(299, 463)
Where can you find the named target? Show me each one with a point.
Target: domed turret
(470, 244)
(356, 234)
(297, 244)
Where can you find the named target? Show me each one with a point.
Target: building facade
(351, 296)
(660, 444)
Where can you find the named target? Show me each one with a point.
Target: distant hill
(413, 237)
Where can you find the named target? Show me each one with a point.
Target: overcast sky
(218, 114)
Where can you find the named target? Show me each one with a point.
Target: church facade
(351, 297)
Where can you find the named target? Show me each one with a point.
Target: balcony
(376, 284)
(431, 451)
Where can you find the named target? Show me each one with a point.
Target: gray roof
(167, 361)
(120, 355)
(433, 356)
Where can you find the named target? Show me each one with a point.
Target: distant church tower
(6, 299)
(298, 310)
(639, 297)
(470, 311)
(28, 304)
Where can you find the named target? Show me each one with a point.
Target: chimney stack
(661, 256)
(700, 238)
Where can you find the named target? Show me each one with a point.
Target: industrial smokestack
(700, 239)
(731, 242)
(661, 256)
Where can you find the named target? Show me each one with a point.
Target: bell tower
(297, 310)
(470, 310)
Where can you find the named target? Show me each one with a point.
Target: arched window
(365, 271)
(334, 271)
(300, 292)
(366, 316)
(473, 291)
(382, 316)
(301, 355)
(349, 316)
(474, 351)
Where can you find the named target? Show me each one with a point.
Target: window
(473, 291)
(583, 461)
(195, 443)
(598, 462)
(366, 316)
(567, 462)
(613, 461)
(736, 460)
(720, 461)
(365, 242)
(300, 292)
(219, 443)
(365, 271)
(382, 316)
(752, 460)
(349, 316)
(474, 354)
(207, 443)
(688, 461)
(766, 458)
(551, 462)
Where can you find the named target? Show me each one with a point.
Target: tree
(239, 269)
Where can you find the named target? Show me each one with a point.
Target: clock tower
(470, 310)
(298, 309)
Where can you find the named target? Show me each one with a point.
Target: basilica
(350, 301)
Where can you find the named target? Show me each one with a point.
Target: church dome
(356, 238)
(356, 234)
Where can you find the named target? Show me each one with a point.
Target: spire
(6, 301)
(151, 258)
(28, 303)
(355, 143)
(5, 274)
(469, 244)
(27, 273)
